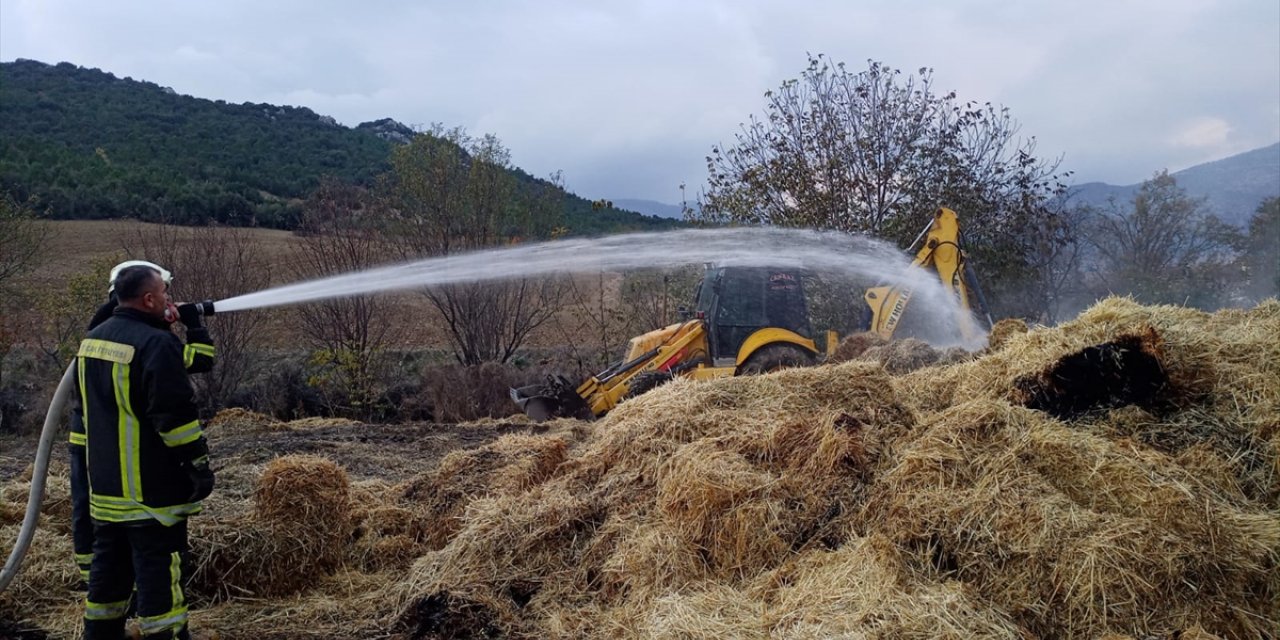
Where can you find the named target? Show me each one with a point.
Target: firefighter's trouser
(81, 522)
(150, 554)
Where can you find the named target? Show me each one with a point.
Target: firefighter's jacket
(140, 420)
(198, 356)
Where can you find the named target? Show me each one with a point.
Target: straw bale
(299, 529)
(853, 346)
(512, 463)
(1120, 372)
(302, 488)
(719, 480)
(1217, 474)
(513, 549)
(629, 569)
(725, 507)
(1004, 330)
(1229, 360)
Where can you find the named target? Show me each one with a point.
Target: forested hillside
(90, 145)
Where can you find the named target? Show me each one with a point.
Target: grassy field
(75, 244)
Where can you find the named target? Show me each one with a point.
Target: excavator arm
(658, 353)
(941, 253)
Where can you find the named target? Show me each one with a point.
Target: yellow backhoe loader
(942, 254)
(747, 320)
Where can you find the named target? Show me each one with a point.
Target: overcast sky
(627, 98)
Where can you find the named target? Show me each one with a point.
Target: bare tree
(452, 193)
(1162, 247)
(65, 316)
(652, 298)
(596, 328)
(212, 262)
(341, 229)
(1260, 252)
(877, 152)
(23, 237)
(1056, 249)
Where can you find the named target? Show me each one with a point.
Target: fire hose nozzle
(204, 307)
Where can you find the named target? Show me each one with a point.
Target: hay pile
(844, 501)
(55, 511)
(238, 421)
(898, 356)
(509, 465)
(854, 345)
(298, 530)
(1004, 330)
(838, 501)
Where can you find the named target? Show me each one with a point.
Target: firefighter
(147, 461)
(199, 356)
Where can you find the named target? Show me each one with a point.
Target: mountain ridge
(90, 145)
(1232, 187)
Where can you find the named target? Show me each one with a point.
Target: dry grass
(837, 501)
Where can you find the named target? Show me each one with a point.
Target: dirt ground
(388, 452)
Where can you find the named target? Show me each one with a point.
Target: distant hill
(651, 208)
(1233, 187)
(90, 145)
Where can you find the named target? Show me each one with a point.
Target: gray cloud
(628, 97)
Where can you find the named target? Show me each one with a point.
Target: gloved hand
(202, 479)
(190, 315)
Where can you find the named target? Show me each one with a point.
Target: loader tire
(773, 357)
(647, 381)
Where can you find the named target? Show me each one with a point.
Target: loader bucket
(555, 398)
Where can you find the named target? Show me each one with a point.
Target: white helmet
(115, 272)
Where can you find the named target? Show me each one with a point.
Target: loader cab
(735, 302)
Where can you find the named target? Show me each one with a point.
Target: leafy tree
(1163, 248)
(454, 193)
(877, 152)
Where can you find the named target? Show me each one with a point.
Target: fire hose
(40, 470)
(38, 476)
